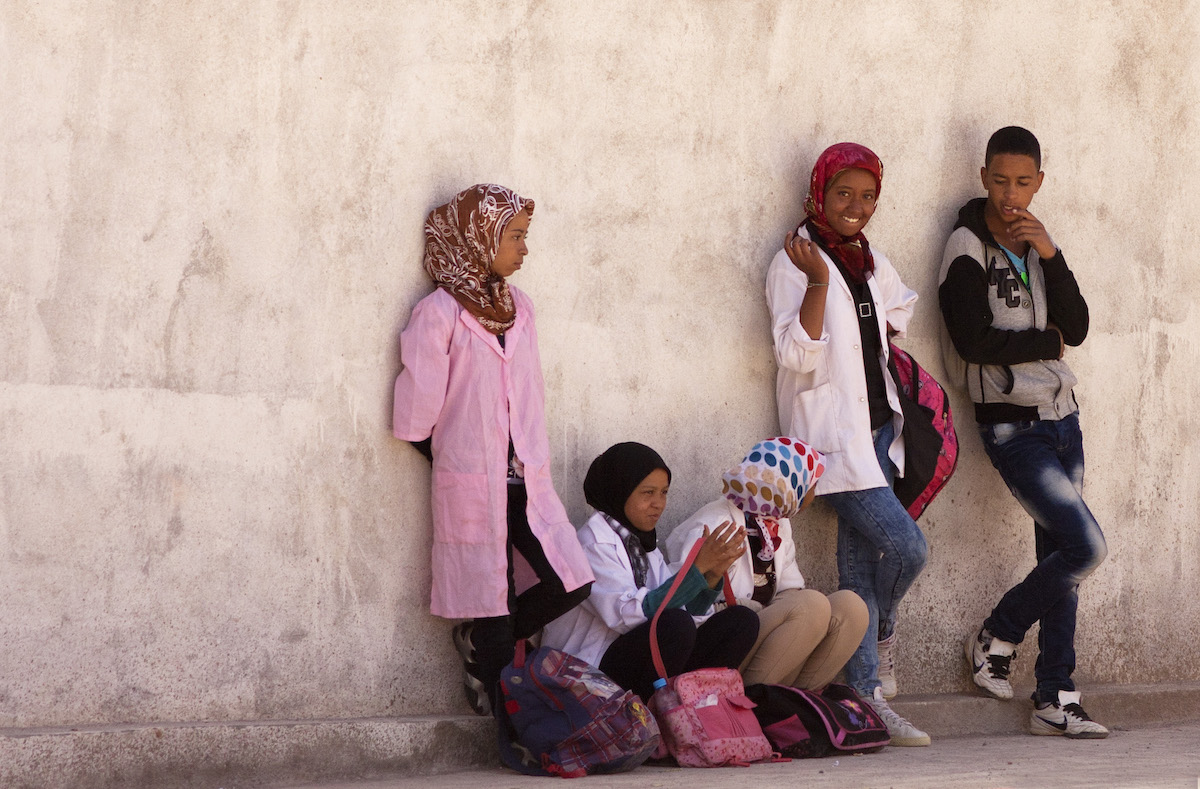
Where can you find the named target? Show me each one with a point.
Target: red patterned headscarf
(854, 252)
(461, 241)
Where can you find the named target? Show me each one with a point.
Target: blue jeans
(1042, 464)
(880, 552)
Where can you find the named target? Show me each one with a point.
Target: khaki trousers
(805, 637)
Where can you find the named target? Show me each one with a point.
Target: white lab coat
(821, 390)
(741, 572)
(615, 605)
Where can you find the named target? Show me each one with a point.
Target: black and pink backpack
(930, 443)
(803, 724)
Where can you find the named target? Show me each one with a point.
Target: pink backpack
(704, 716)
(930, 443)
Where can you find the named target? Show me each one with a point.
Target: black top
(868, 336)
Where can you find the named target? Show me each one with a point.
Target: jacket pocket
(1039, 383)
(813, 418)
(461, 511)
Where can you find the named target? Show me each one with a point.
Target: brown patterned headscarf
(461, 241)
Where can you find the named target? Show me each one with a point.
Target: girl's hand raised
(720, 550)
(806, 256)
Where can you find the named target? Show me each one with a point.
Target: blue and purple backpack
(557, 715)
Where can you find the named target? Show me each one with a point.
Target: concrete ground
(1165, 756)
(978, 742)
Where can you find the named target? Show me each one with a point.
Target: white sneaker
(887, 665)
(990, 660)
(901, 731)
(1065, 718)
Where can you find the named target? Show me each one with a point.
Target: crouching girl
(628, 486)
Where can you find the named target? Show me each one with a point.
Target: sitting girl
(804, 637)
(611, 629)
(471, 399)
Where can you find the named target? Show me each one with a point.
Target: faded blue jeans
(880, 552)
(1042, 464)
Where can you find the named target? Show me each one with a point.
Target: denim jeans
(880, 552)
(1042, 464)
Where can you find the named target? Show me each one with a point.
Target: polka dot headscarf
(774, 478)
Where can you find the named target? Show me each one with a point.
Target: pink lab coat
(461, 387)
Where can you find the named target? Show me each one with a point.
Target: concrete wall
(210, 235)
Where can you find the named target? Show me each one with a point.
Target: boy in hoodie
(1011, 306)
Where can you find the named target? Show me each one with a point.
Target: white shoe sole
(910, 742)
(1044, 728)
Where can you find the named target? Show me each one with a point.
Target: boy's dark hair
(1015, 140)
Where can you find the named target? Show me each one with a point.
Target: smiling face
(1011, 181)
(850, 201)
(645, 505)
(512, 249)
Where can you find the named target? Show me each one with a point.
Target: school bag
(704, 715)
(803, 723)
(557, 715)
(930, 442)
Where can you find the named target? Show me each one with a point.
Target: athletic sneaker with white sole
(887, 665)
(990, 660)
(1065, 718)
(900, 731)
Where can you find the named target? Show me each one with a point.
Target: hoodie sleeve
(1067, 308)
(963, 296)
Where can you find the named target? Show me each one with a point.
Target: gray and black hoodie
(996, 341)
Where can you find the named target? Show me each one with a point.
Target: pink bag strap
(730, 600)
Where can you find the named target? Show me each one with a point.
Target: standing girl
(471, 398)
(833, 302)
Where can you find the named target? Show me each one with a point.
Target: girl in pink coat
(471, 399)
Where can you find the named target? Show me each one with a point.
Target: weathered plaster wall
(210, 228)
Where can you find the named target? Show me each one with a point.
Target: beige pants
(805, 638)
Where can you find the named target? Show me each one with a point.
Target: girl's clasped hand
(720, 550)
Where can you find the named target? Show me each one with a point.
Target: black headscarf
(614, 476)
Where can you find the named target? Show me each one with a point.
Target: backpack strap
(655, 653)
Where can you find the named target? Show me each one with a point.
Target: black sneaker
(476, 693)
(1065, 718)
